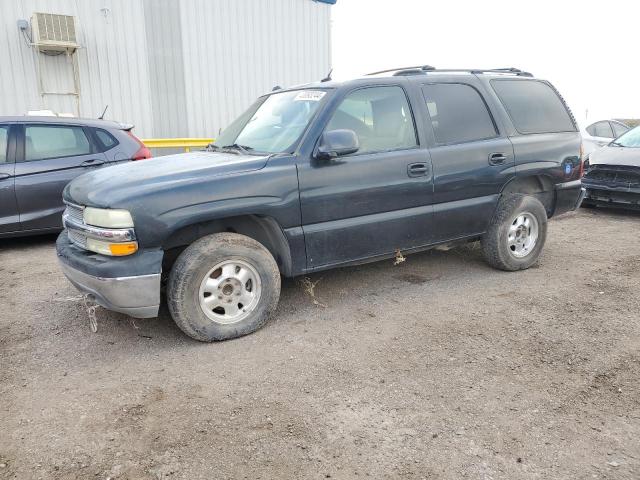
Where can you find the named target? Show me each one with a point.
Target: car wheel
(516, 235)
(223, 286)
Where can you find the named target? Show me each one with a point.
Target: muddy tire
(223, 286)
(517, 233)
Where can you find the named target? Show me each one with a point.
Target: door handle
(417, 169)
(4, 176)
(92, 163)
(497, 158)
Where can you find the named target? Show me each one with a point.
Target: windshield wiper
(616, 144)
(242, 148)
(212, 148)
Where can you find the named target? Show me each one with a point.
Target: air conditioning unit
(52, 32)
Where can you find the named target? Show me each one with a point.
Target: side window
(534, 106)
(380, 117)
(54, 141)
(619, 129)
(106, 139)
(458, 113)
(4, 140)
(602, 129)
(591, 129)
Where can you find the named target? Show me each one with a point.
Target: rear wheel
(517, 233)
(223, 286)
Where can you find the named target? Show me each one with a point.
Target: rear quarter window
(106, 139)
(534, 106)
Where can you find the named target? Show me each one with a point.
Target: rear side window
(54, 141)
(458, 113)
(619, 129)
(534, 106)
(602, 129)
(4, 137)
(380, 117)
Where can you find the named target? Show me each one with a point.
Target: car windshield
(273, 124)
(630, 139)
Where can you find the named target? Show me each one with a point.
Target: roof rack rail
(515, 71)
(424, 69)
(417, 69)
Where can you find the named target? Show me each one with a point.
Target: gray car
(40, 155)
(613, 173)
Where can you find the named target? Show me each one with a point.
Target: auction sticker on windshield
(309, 96)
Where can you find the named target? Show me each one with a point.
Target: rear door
(48, 157)
(9, 220)
(472, 159)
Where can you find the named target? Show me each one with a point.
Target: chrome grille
(614, 175)
(75, 213)
(77, 238)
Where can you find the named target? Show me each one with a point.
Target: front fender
(270, 192)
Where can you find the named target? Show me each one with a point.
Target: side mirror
(336, 143)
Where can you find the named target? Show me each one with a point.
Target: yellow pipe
(186, 143)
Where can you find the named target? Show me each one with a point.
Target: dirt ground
(438, 368)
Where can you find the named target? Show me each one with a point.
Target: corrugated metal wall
(113, 62)
(235, 50)
(171, 67)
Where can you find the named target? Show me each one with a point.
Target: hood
(109, 187)
(612, 155)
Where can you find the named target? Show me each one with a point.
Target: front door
(377, 200)
(472, 160)
(49, 157)
(9, 220)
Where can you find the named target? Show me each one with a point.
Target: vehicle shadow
(18, 243)
(306, 298)
(611, 211)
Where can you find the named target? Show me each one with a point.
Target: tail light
(581, 172)
(143, 152)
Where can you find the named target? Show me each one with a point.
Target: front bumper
(129, 285)
(600, 194)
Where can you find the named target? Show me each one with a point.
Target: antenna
(276, 88)
(101, 117)
(328, 77)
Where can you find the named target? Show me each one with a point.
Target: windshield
(629, 139)
(273, 124)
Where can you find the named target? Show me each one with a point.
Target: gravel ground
(438, 368)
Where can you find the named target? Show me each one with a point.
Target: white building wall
(112, 63)
(236, 50)
(228, 53)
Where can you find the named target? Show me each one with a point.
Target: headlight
(107, 218)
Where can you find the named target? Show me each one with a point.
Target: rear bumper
(569, 196)
(129, 285)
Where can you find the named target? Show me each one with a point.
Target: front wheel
(223, 286)
(517, 233)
